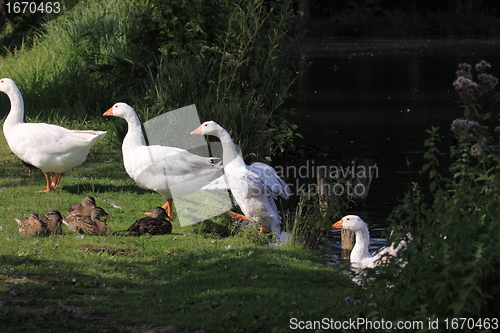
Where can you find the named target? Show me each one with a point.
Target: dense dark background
(400, 19)
(339, 18)
(326, 8)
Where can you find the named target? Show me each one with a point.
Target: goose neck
(16, 113)
(134, 134)
(360, 249)
(229, 152)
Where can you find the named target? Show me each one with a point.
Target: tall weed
(311, 222)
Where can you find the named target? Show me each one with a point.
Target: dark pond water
(376, 99)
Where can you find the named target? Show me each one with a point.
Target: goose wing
(269, 177)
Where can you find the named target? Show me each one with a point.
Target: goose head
(122, 110)
(7, 85)
(209, 128)
(350, 222)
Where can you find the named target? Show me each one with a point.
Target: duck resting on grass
(53, 221)
(90, 225)
(37, 225)
(32, 225)
(254, 187)
(163, 169)
(84, 208)
(48, 147)
(360, 257)
(157, 224)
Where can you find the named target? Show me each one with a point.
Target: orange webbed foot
(237, 216)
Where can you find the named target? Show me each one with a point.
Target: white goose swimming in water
(360, 257)
(165, 170)
(254, 187)
(48, 147)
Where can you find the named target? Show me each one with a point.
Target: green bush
(240, 67)
(453, 259)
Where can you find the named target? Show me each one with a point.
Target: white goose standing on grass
(254, 187)
(160, 168)
(50, 148)
(360, 257)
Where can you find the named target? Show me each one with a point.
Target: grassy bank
(192, 279)
(231, 59)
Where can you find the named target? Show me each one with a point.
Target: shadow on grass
(103, 188)
(84, 187)
(250, 289)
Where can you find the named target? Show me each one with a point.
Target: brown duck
(159, 223)
(53, 221)
(90, 225)
(32, 225)
(84, 208)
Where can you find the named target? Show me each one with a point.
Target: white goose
(360, 257)
(48, 147)
(254, 187)
(165, 170)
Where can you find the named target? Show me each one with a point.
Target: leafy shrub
(240, 68)
(453, 259)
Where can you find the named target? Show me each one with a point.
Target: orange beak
(338, 225)
(196, 131)
(109, 112)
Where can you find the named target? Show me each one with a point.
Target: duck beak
(109, 112)
(338, 225)
(197, 131)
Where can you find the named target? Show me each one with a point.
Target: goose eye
(206, 125)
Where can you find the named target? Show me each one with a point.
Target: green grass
(97, 53)
(197, 278)
(207, 276)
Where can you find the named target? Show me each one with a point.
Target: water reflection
(376, 99)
